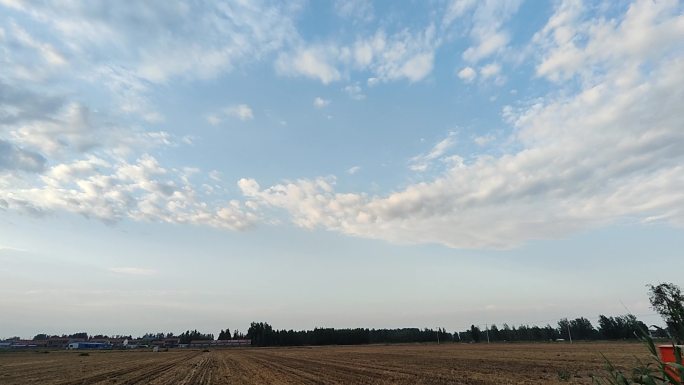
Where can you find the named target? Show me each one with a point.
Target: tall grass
(655, 372)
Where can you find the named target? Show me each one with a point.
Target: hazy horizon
(168, 166)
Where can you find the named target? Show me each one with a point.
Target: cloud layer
(601, 146)
(605, 153)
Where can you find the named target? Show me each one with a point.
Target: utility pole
(569, 334)
(487, 329)
(438, 329)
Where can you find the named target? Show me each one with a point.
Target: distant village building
(89, 345)
(166, 343)
(57, 342)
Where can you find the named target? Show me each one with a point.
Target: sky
(170, 165)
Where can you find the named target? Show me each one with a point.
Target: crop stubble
(476, 364)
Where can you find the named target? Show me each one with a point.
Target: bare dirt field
(543, 363)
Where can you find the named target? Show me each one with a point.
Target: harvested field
(376, 364)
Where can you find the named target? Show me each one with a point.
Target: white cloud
(13, 158)
(320, 102)
(609, 152)
(316, 62)
(600, 150)
(488, 44)
(492, 69)
(207, 39)
(402, 55)
(214, 120)
(215, 176)
(484, 139)
(172, 40)
(467, 74)
(240, 111)
(488, 18)
(132, 271)
(572, 45)
(456, 9)
(353, 170)
(355, 91)
(422, 162)
(129, 91)
(47, 52)
(114, 190)
(59, 130)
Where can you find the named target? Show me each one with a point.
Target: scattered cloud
(320, 102)
(422, 162)
(214, 120)
(484, 139)
(46, 51)
(110, 191)
(572, 44)
(492, 69)
(602, 149)
(240, 111)
(403, 55)
(315, 62)
(355, 91)
(457, 9)
(353, 170)
(129, 91)
(486, 30)
(13, 158)
(607, 152)
(467, 74)
(215, 176)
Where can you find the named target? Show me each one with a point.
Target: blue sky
(166, 165)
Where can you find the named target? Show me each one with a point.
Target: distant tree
(582, 329)
(40, 337)
(668, 301)
(443, 335)
(224, 335)
(154, 336)
(608, 327)
(564, 328)
(188, 336)
(82, 335)
(261, 333)
(620, 327)
(507, 333)
(494, 333)
(475, 333)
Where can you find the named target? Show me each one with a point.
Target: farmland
(542, 363)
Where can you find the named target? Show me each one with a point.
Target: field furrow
(474, 364)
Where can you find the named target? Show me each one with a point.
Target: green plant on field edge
(656, 372)
(668, 300)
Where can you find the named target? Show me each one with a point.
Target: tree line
(263, 334)
(609, 328)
